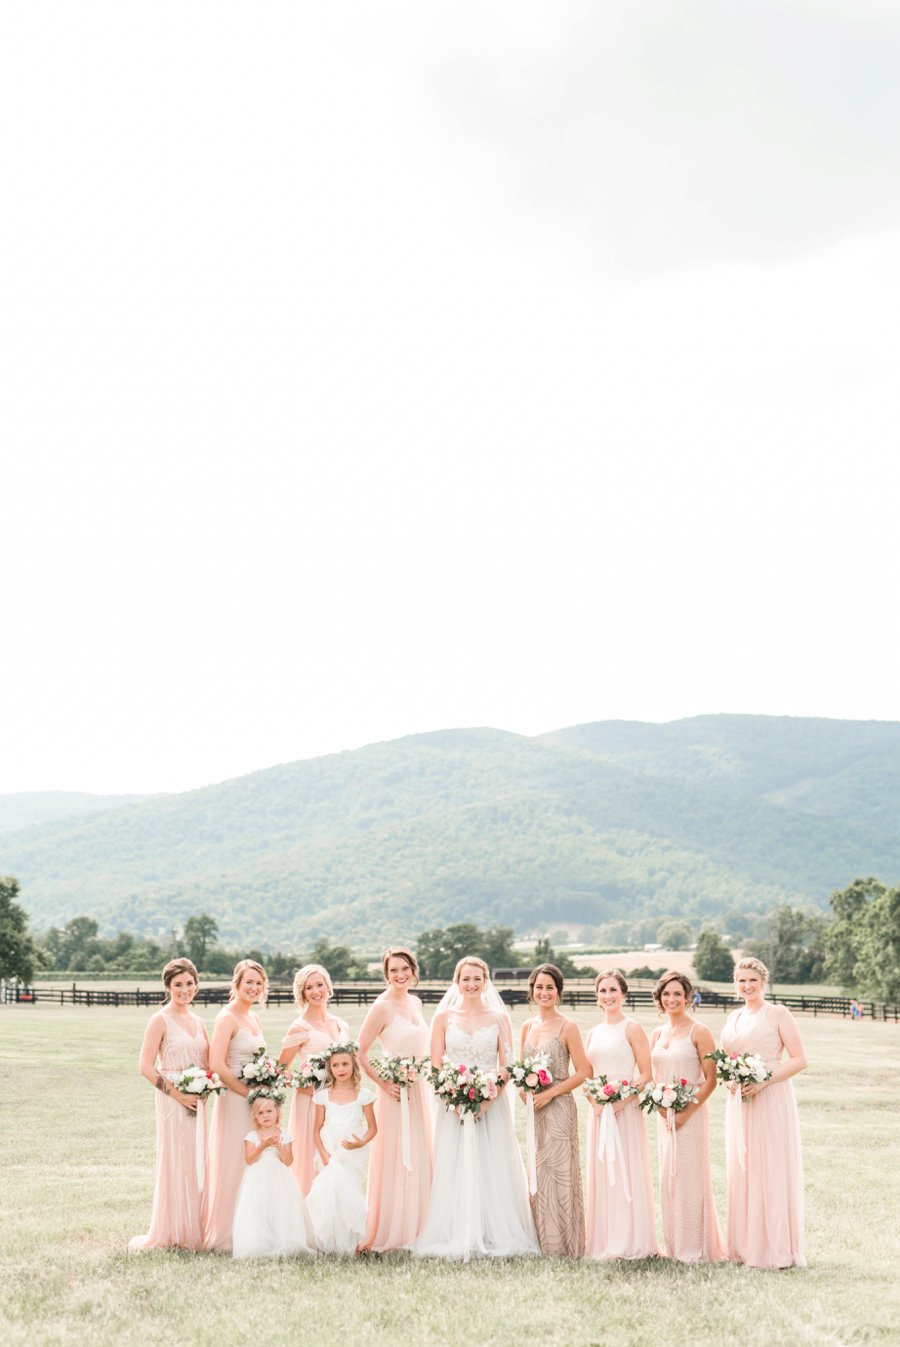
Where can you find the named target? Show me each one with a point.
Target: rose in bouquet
(739, 1068)
(401, 1071)
(196, 1080)
(463, 1089)
(531, 1073)
(265, 1075)
(310, 1074)
(676, 1095)
(601, 1090)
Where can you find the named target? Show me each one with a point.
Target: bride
(479, 1201)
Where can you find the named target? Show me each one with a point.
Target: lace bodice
(478, 1049)
(184, 1045)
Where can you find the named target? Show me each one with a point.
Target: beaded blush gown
(690, 1224)
(765, 1192)
(179, 1207)
(231, 1122)
(398, 1197)
(303, 1114)
(616, 1226)
(479, 1195)
(558, 1205)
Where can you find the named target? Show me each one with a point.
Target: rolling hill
(696, 817)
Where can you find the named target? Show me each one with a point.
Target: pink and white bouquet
(401, 1071)
(310, 1074)
(531, 1073)
(265, 1075)
(601, 1090)
(196, 1080)
(656, 1096)
(463, 1089)
(739, 1068)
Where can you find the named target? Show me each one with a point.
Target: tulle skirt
(337, 1200)
(270, 1217)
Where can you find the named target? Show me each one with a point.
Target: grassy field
(76, 1124)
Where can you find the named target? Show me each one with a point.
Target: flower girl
(270, 1217)
(344, 1125)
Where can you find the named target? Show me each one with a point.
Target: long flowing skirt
(558, 1204)
(301, 1127)
(270, 1218)
(690, 1224)
(398, 1197)
(337, 1200)
(179, 1208)
(765, 1198)
(231, 1122)
(617, 1228)
(479, 1197)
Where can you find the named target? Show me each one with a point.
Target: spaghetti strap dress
(231, 1122)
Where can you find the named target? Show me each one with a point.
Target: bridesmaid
(398, 1197)
(678, 1052)
(236, 1036)
(558, 1206)
(765, 1174)
(621, 1221)
(312, 1031)
(175, 1039)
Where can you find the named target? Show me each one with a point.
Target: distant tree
(674, 934)
(199, 933)
(440, 948)
(864, 942)
(19, 953)
(545, 953)
(74, 945)
(338, 959)
(793, 946)
(843, 937)
(712, 957)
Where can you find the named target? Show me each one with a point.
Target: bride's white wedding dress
(479, 1200)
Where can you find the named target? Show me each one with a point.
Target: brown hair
(551, 971)
(472, 959)
(400, 952)
(329, 1074)
(757, 966)
(301, 976)
(244, 966)
(176, 966)
(611, 973)
(672, 976)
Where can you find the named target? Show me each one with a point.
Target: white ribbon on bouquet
(735, 1117)
(610, 1149)
(530, 1142)
(404, 1127)
(200, 1144)
(472, 1236)
(673, 1144)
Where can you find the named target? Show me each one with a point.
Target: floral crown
(266, 1092)
(344, 1047)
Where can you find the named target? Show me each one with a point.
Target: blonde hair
(356, 1077)
(611, 973)
(400, 952)
(265, 1099)
(301, 977)
(756, 965)
(245, 966)
(478, 963)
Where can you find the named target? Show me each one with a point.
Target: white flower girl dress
(270, 1216)
(337, 1199)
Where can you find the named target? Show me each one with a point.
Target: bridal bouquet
(462, 1089)
(197, 1081)
(401, 1071)
(600, 1090)
(531, 1073)
(655, 1096)
(739, 1068)
(265, 1076)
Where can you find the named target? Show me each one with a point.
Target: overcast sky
(377, 368)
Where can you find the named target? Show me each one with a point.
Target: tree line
(857, 947)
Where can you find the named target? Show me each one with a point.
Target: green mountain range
(697, 818)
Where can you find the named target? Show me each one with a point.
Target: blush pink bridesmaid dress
(617, 1227)
(303, 1113)
(231, 1122)
(398, 1197)
(179, 1208)
(690, 1224)
(765, 1193)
